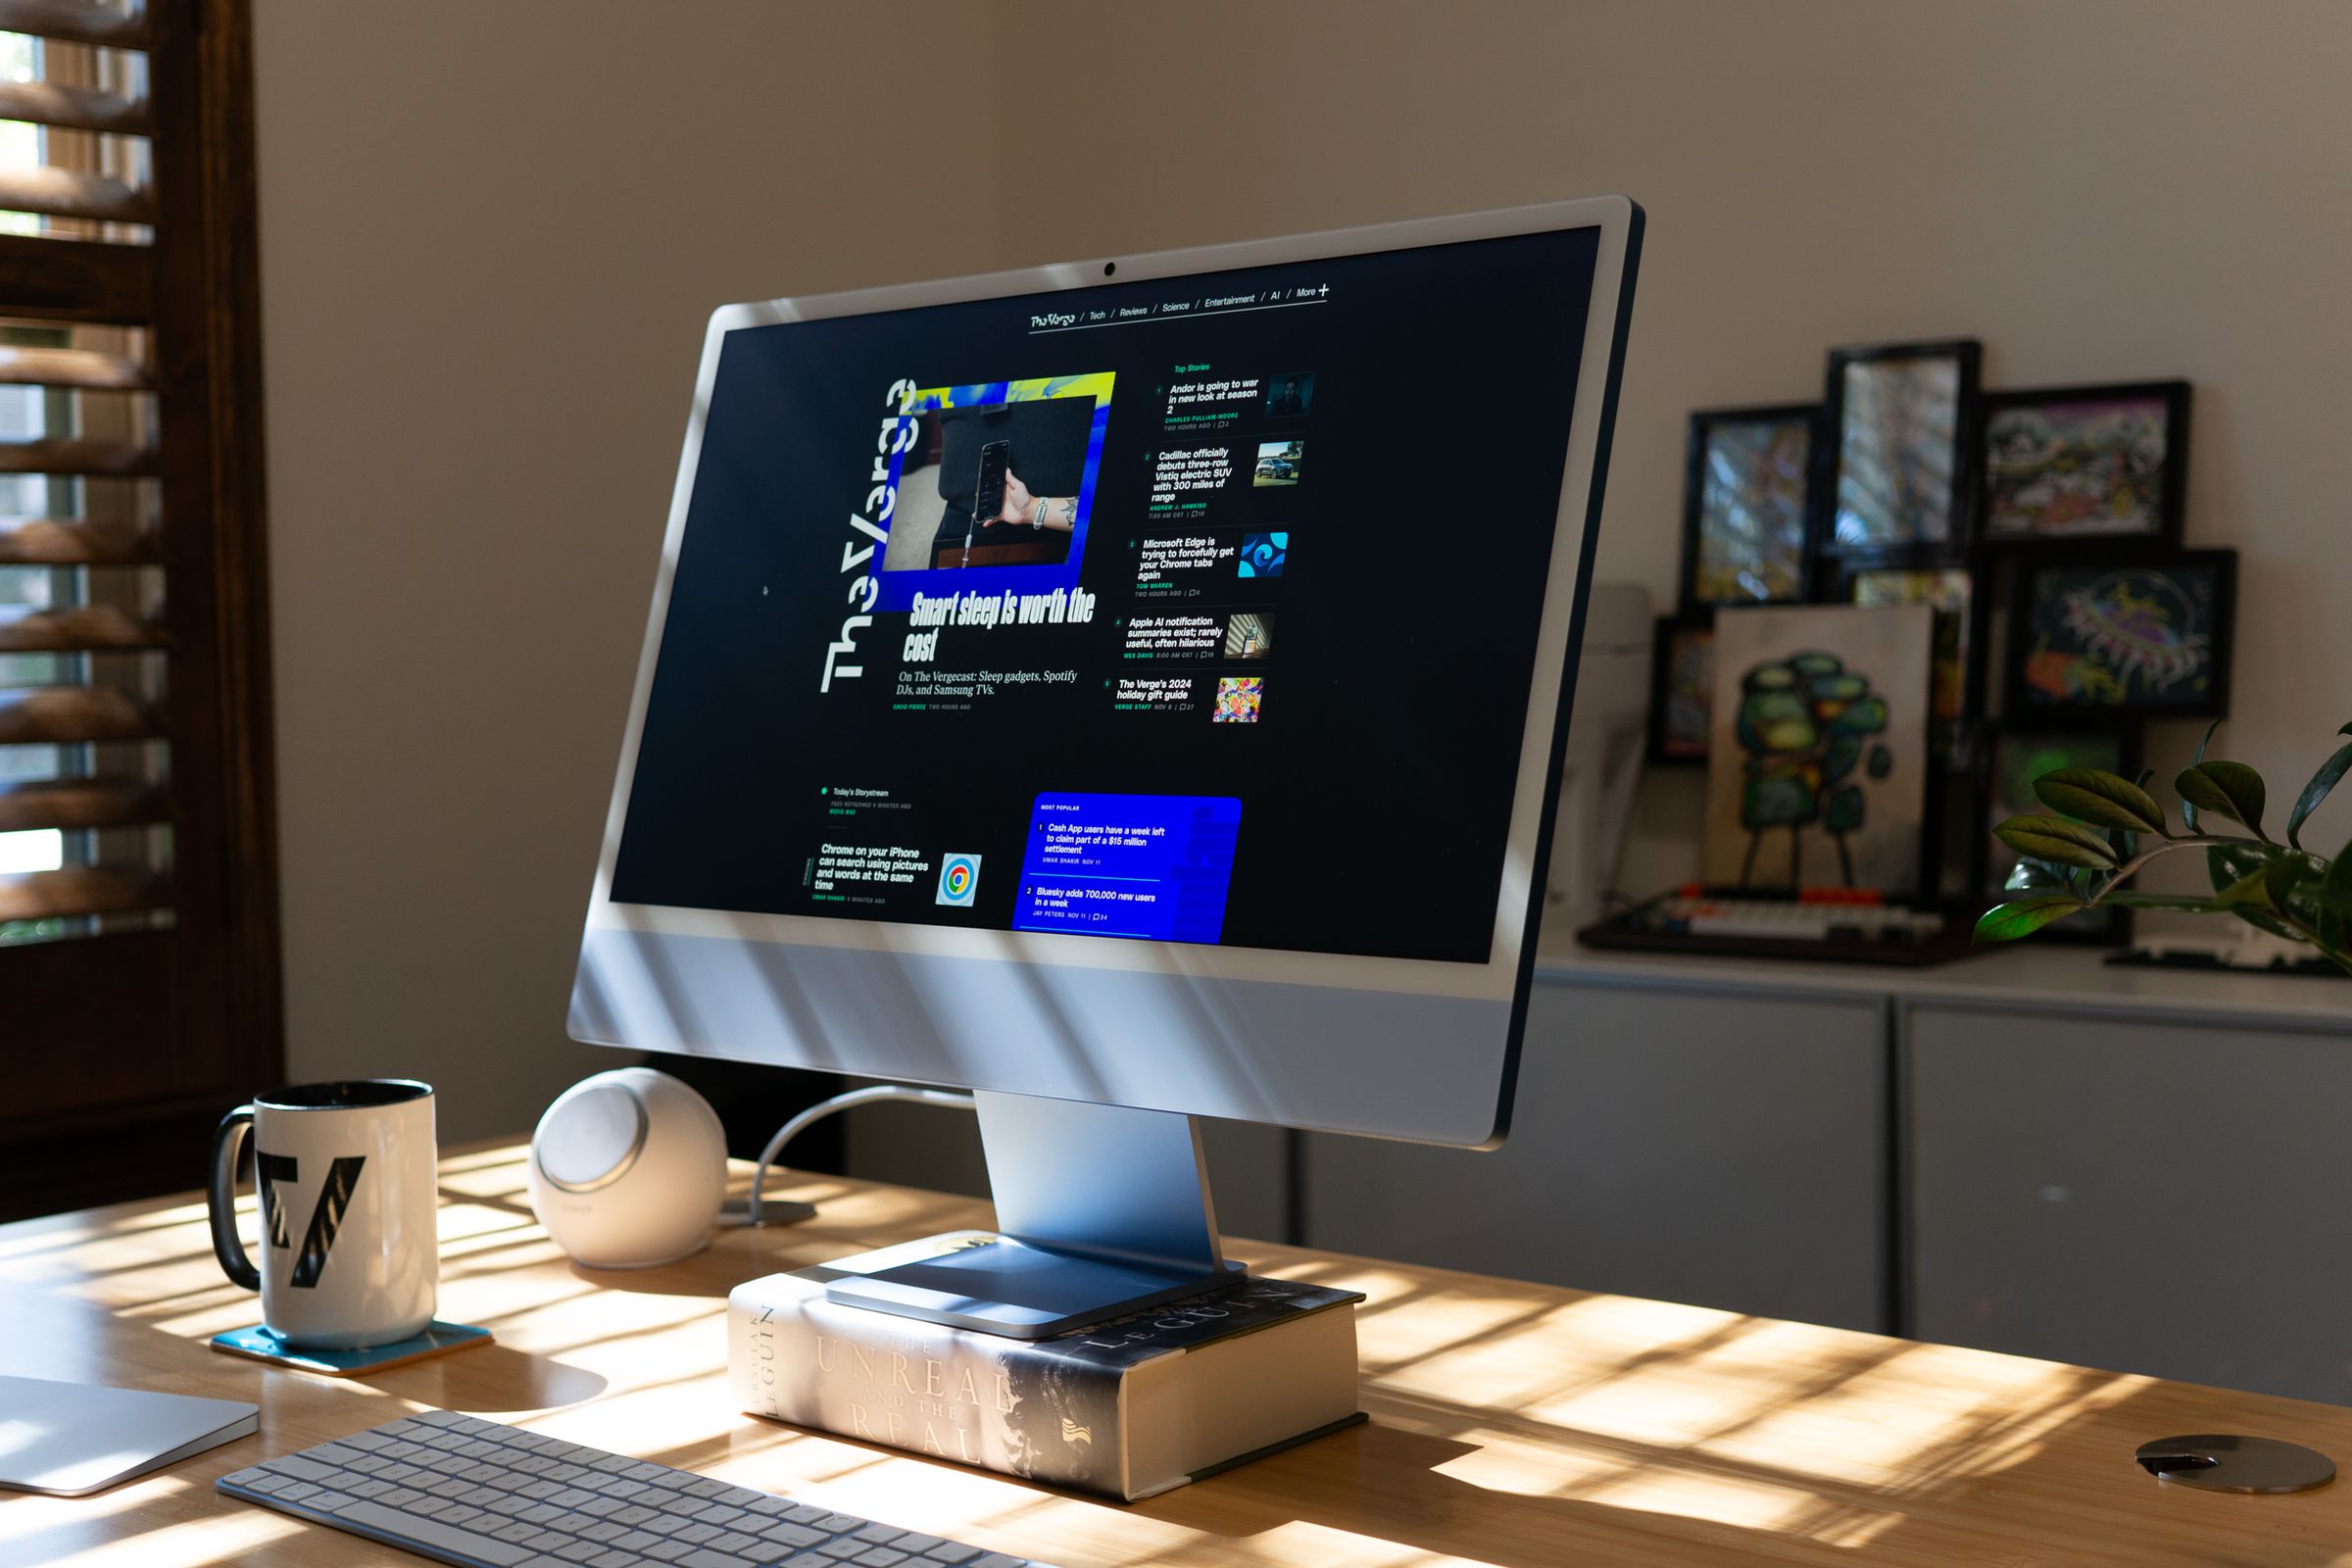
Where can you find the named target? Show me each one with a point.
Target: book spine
(931, 1390)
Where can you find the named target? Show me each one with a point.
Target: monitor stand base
(1103, 1212)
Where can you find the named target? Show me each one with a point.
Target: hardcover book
(1124, 1409)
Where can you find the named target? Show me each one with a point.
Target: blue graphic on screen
(1128, 865)
(1262, 553)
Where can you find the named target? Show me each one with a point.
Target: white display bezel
(1522, 878)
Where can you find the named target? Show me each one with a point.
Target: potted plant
(2110, 827)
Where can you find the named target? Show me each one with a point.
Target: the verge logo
(899, 431)
(1052, 319)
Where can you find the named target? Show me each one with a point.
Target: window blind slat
(81, 890)
(64, 715)
(74, 108)
(76, 629)
(69, 193)
(74, 541)
(78, 280)
(79, 802)
(74, 368)
(71, 456)
(75, 22)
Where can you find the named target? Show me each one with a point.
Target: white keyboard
(466, 1491)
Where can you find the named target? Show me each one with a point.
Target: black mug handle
(220, 1198)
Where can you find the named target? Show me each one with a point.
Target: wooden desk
(1511, 1424)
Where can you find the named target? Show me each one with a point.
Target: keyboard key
(911, 1541)
(299, 1491)
(949, 1551)
(695, 1534)
(635, 1541)
(879, 1557)
(996, 1559)
(580, 1550)
(880, 1535)
(734, 1542)
(432, 1532)
(461, 1515)
(599, 1531)
(705, 1558)
(617, 1559)
(667, 1551)
(794, 1537)
(301, 1469)
(632, 1516)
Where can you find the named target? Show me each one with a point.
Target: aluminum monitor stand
(1101, 1210)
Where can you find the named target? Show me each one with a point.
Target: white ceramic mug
(350, 1254)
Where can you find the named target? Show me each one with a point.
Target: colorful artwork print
(1817, 759)
(1947, 593)
(1747, 538)
(2056, 469)
(1682, 695)
(1238, 698)
(1899, 460)
(2017, 760)
(2149, 638)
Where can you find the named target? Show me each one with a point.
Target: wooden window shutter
(138, 925)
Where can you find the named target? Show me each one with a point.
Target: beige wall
(490, 233)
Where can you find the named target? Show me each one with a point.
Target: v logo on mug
(327, 1215)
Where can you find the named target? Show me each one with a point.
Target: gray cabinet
(1718, 1146)
(2150, 1193)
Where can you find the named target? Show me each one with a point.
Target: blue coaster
(438, 1338)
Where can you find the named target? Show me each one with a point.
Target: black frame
(2020, 712)
(2130, 755)
(1694, 456)
(1967, 453)
(1961, 755)
(1656, 754)
(2175, 395)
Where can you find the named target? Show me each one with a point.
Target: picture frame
(2013, 757)
(1897, 464)
(1682, 679)
(1955, 593)
(2120, 632)
(1819, 772)
(1747, 506)
(2070, 463)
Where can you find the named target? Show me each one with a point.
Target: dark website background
(1376, 784)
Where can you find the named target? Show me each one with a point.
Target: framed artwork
(1816, 755)
(1682, 685)
(2121, 633)
(1898, 468)
(2067, 462)
(2015, 759)
(1950, 591)
(1745, 517)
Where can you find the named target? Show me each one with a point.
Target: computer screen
(1239, 654)
(1219, 607)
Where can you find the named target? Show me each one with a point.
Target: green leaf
(2056, 839)
(2033, 876)
(2007, 922)
(2188, 809)
(2101, 799)
(2227, 789)
(2249, 891)
(2317, 789)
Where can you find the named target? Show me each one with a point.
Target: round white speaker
(627, 1169)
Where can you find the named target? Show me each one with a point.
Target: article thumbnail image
(1262, 553)
(1250, 635)
(1278, 463)
(1290, 396)
(1238, 698)
(995, 479)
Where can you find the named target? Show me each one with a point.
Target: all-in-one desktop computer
(1133, 691)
